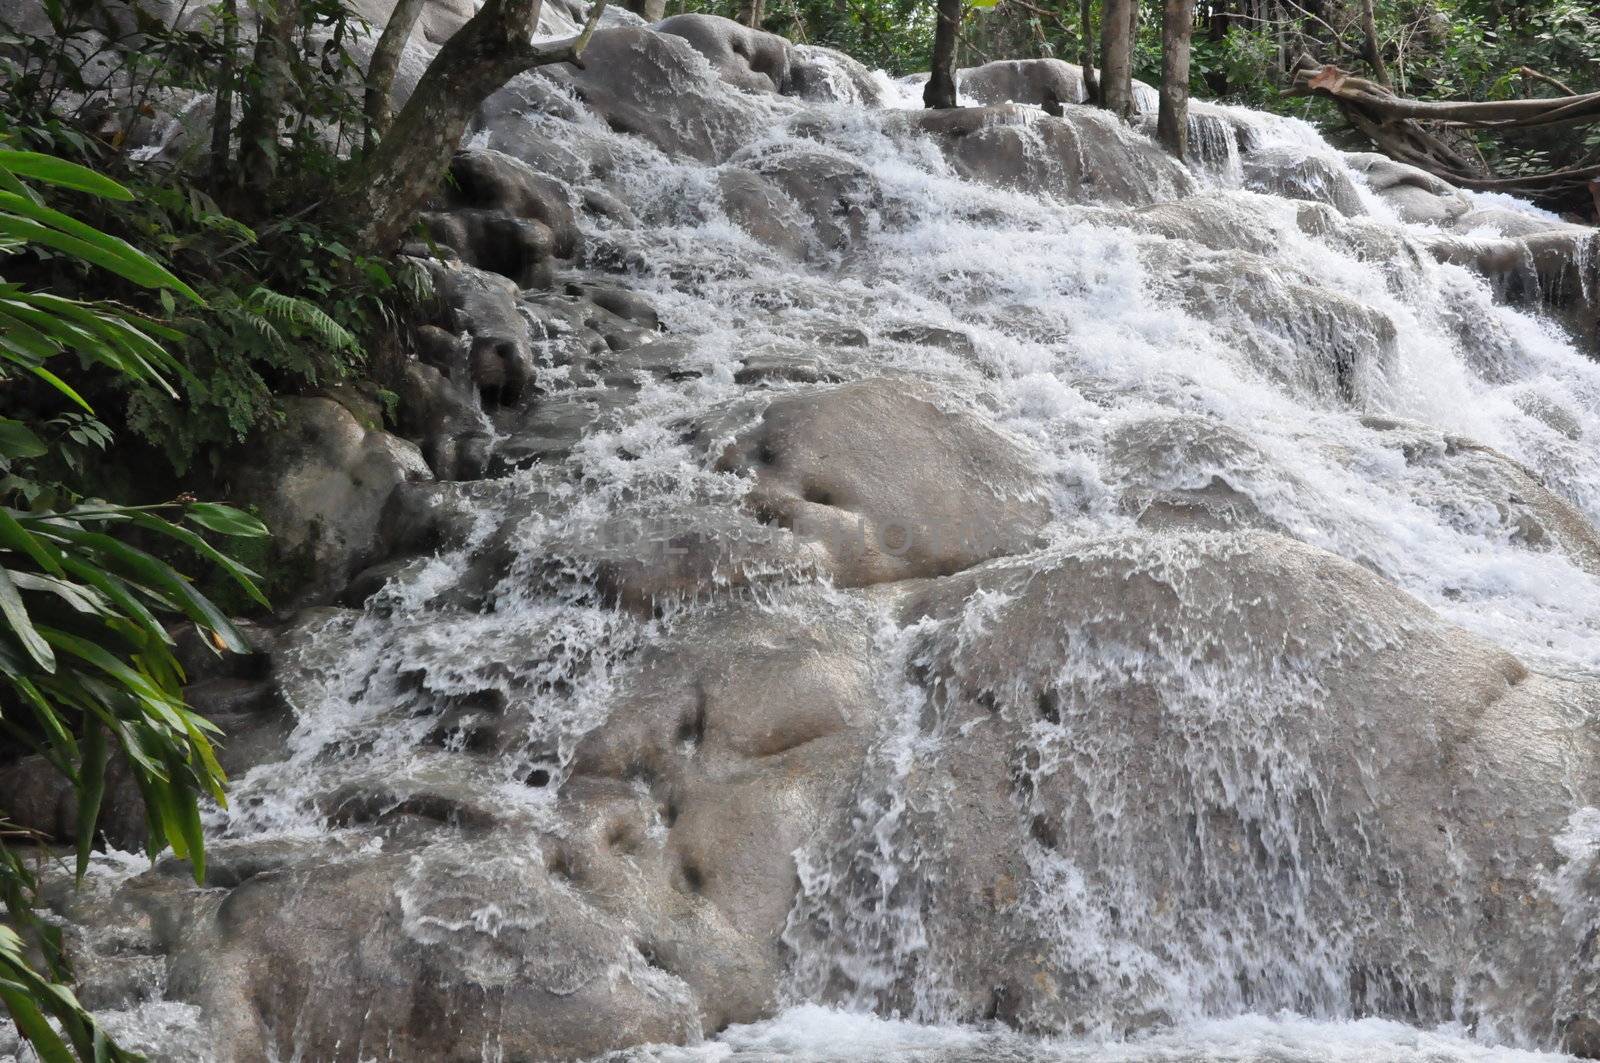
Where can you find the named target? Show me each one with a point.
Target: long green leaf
(91, 790)
(16, 617)
(135, 268)
(53, 171)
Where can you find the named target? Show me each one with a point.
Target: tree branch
(1530, 72)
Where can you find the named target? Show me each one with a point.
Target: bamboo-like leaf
(13, 536)
(16, 617)
(124, 261)
(91, 790)
(17, 440)
(32, 1024)
(50, 170)
(225, 520)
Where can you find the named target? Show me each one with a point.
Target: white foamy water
(811, 1034)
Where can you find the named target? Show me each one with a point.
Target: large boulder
(643, 902)
(1150, 778)
(659, 87)
(1035, 81)
(1086, 155)
(888, 484)
(321, 480)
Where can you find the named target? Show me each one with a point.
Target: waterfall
(1255, 718)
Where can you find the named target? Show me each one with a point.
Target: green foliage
(281, 306)
(87, 665)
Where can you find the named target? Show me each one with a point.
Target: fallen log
(1395, 126)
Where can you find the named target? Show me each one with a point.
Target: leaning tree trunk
(941, 88)
(1116, 57)
(1091, 84)
(1372, 46)
(263, 106)
(1172, 125)
(385, 63)
(750, 13)
(386, 189)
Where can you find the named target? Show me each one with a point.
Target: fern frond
(305, 314)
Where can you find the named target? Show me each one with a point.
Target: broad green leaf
(225, 520)
(17, 440)
(13, 536)
(16, 617)
(50, 170)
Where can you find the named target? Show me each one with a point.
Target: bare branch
(1530, 72)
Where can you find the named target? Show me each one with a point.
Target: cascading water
(1152, 774)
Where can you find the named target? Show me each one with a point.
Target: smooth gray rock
(1129, 802)
(887, 484)
(1085, 156)
(320, 481)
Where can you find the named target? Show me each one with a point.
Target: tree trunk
(386, 189)
(649, 10)
(222, 115)
(1172, 125)
(1091, 84)
(750, 13)
(1372, 47)
(1218, 23)
(381, 70)
(263, 107)
(1116, 57)
(941, 87)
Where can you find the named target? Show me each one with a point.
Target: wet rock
(726, 752)
(1187, 474)
(1482, 492)
(657, 86)
(1296, 175)
(488, 179)
(765, 211)
(830, 76)
(886, 483)
(1035, 81)
(1084, 156)
(1414, 194)
(745, 58)
(1554, 268)
(498, 358)
(443, 415)
(1085, 721)
(493, 240)
(836, 195)
(1217, 222)
(658, 562)
(321, 481)
(427, 944)
(1318, 343)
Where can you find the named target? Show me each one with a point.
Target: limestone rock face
(1023, 81)
(1063, 752)
(887, 484)
(321, 481)
(1085, 156)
